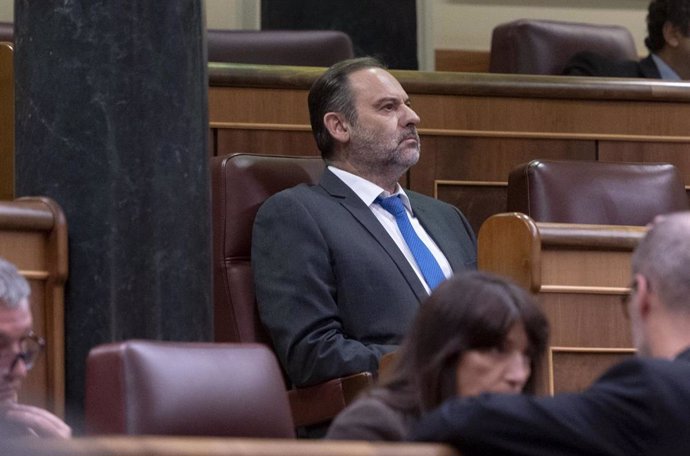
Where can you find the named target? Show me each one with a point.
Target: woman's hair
(470, 311)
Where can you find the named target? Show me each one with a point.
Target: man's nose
(410, 116)
(18, 368)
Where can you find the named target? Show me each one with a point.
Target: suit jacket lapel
(353, 204)
(649, 69)
(440, 236)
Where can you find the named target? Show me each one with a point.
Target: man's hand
(37, 421)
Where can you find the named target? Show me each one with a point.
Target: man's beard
(382, 158)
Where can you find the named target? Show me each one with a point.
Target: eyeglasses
(30, 347)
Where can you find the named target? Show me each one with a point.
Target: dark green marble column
(111, 122)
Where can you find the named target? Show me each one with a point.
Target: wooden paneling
(33, 236)
(578, 273)
(280, 142)
(475, 127)
(462, 61)
(573, 369)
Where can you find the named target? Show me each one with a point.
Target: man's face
(683, 69)
(14, 324)
(384, 137)
(676, 51)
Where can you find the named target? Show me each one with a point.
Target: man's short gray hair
(663, 257)
(13, 286)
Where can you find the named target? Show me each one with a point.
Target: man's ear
(644, 300)
(671, 34)
(337, 126)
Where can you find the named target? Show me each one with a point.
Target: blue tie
(425, 260)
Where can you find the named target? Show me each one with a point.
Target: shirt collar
(366, 190)
(665, 71)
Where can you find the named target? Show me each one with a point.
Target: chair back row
(184, 388)
(531, 46)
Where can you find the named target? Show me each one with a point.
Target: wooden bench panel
(475, 127)
(579, 274)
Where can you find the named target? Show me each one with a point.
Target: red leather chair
(240, 184)
(182, 388)
(279, 47)
(594, 192)
(7, 31)
(531, 46)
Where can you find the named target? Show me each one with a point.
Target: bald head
(663, 256)
(14, 289)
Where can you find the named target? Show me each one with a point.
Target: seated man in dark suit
(19, 348)
(640, 406)
(337, 281)
(668, 41)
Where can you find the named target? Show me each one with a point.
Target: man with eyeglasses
(640, 406)
(19, 348)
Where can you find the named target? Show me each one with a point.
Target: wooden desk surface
(198, 446)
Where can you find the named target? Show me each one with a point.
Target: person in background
(668, 41)
(640, 406)
(341, 267)
(476, 333)
(19, 348)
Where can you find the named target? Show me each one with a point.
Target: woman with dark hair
(476, 333)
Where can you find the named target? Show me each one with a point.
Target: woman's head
(476, 333)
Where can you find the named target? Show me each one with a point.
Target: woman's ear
(337, 126)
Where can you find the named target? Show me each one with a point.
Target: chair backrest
(7, 31)
(241, 183)
(279, 47)
(594, 192)
(530, 46)
(186, 388)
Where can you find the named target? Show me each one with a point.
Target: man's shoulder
(648, 373)
(299, 193)
(589, 63)
(417, 199)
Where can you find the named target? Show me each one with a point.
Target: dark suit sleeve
(296, 287)
(586, 64)
(592, 64)
(612, 417)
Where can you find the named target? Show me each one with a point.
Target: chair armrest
(322, 402)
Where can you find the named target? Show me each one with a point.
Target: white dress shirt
(368, 192)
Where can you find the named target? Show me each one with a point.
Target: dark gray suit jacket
(333, 289)
(638, 407)
(592, 64)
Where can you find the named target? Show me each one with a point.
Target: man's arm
(296, 293)
(36, 421)
(609, 418)
(585, 64)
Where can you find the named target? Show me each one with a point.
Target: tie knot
(392, 204)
